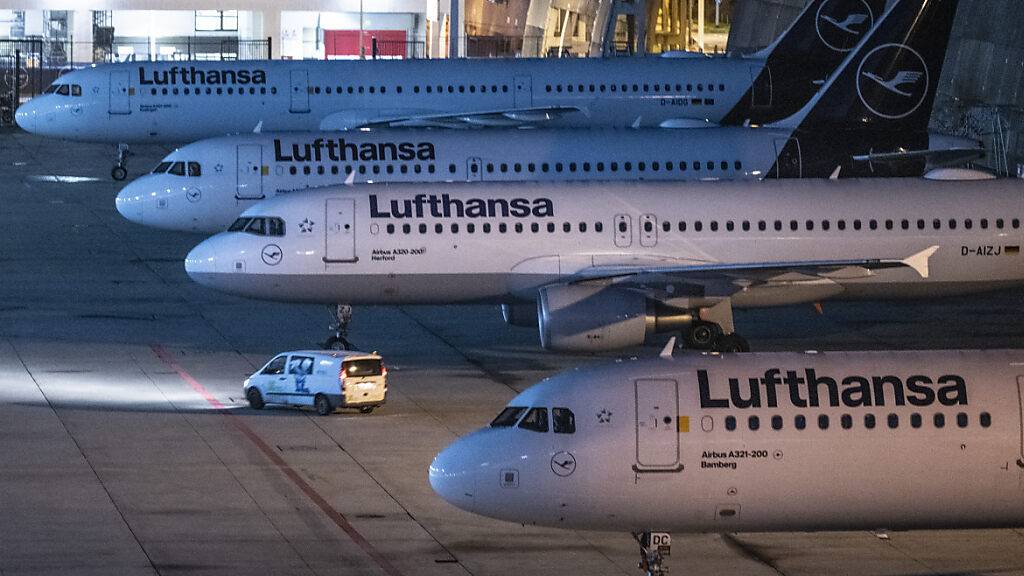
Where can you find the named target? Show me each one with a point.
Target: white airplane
(174, 102)
(203, 186)
(610, 264)
(754, 443)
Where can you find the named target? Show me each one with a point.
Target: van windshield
(365, 367)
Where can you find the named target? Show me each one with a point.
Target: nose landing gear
(342, 315)
(120, 170)
(654, 546)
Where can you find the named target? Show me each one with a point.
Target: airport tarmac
(126, 447)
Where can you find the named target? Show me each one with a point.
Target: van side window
(300, 365)
(275, 366)
(563, 421)
(536, 420)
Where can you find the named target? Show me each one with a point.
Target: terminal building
(982, 90)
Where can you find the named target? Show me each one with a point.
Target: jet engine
(583, 318)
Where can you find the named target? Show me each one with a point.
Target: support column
(272, 27)
(81, 37)
(455, 30)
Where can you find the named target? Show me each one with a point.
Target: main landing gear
(713, 329)
(654, 546)
(120, 170)
(342, 315)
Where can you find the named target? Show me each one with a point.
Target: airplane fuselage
(757, 442)
(400, 244)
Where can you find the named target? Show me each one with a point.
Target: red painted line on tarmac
(337, 517)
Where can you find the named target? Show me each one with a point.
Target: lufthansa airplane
(754, 443)
(203, 186)
(178, 102)
(610, 264)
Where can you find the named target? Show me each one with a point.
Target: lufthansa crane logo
(563, 464)
(892, 81)
(842, 24)
(271, 254)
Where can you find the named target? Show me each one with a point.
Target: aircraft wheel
(323, 405)
(731, 343)
(367, 409)
(337, 343)
(255, 398)
(119, 173)
(702, 335)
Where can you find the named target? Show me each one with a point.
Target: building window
(216, 20)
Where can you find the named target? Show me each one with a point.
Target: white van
(324, 379)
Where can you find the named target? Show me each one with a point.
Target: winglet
(670, 347)
(258, 128)
(351, 178)
(835, 175)
(919, 261)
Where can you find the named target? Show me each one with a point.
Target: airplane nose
(452, 475)
(25, 117)
(129, 204)
(200, 262)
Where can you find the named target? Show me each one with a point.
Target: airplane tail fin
(803, 57)
(889, 82)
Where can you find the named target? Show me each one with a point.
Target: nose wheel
(120, 170)
(654, 546)
(342, 315)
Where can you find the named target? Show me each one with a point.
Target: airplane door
(120, 93)
(299, 91)
(524, 92)
(657, 432)
(250, 172)
(340, 230)
(760, 87)
(623, 231)
(1020, 415)
(648, 230)
(474, 169)
(788, 163)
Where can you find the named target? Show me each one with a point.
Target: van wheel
(367, 409)
(323, 405)
(255, 398)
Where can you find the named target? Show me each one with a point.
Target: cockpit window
(178, 169)
(76, 90)
(161, 168)
(563, 421)
(508, 417)
(260, 226)
(238, 225)
(64, 90)
(536, 419)
(50, 89)
(257, 226)
(193, 169)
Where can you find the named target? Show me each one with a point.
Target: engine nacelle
(522, 315)
(582, 318)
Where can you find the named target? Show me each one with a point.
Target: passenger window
(730, 423)
(563, 421)
(846, 421)
(275, 366)
(823, 421)
(800, 421)
(961, 420)
(776, 422)
(915, 420)
(177, 169)
(894, 420)
(869, 421)
(161, 168)
(985, 419)
(194, 170)
(940, 421)
(754, 422)
(536, 420)
(508, 417)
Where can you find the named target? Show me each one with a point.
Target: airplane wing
(743, 275)
(934, 158)
(511, 117)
